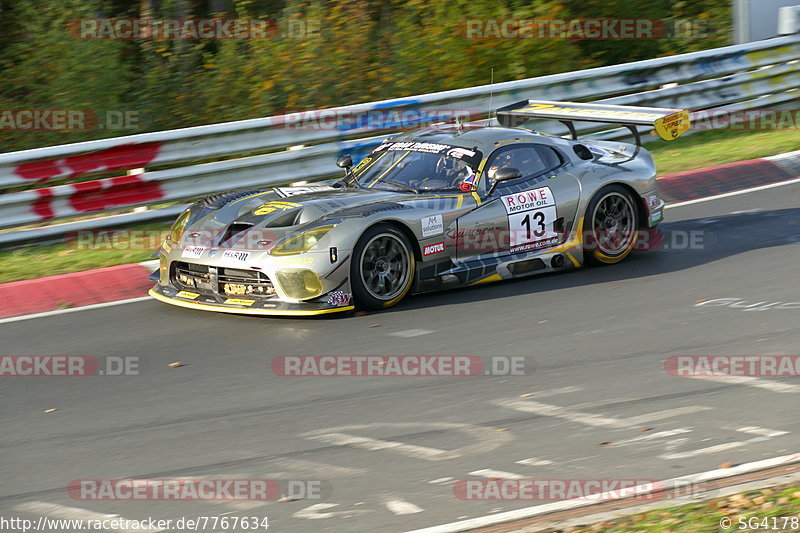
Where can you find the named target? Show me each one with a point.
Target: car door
(533, 212)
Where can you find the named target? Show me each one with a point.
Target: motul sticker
(432, 249)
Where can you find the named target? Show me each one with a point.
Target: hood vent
(235, 229)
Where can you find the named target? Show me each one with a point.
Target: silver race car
(426, 210)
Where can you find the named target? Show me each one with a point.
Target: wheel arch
(641, 207)
(404, 229)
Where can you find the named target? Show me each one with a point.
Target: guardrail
(762, 74)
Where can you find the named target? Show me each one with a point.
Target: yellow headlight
(179, 227)
(301, 243)
(299, 284)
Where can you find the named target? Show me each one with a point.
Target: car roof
(485, 139)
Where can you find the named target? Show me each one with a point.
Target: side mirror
(504, 174)
(344, 161)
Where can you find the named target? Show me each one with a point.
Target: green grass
(709, 148)
(702, 149)
(63, 258)
(705, 517)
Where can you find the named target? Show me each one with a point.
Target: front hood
(279, 212)
(277, 209)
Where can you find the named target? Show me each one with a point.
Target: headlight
(179, 227)
(301, 243)
(299, 284)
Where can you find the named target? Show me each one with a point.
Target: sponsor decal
(432, 249)
(430, 148)
(656, 217)
(270, 207)
(653, 201)
(339, 298)
(596, 150)
(284, 192)
(212, 252)
(432, 225)
(167, 248)
(468, 183)
(239, 301)
(458, 153)
(187, 294)
(531, 215)
(193, 252)
(237, 256)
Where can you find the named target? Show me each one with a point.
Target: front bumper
(244, 306)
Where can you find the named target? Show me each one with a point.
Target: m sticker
(432, 225)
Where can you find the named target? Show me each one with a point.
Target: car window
(419, 166)
(531, 159)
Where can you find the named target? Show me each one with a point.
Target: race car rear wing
(668, 123)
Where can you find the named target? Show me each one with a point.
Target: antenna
(491, 92)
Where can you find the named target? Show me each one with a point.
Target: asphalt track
(598, 338)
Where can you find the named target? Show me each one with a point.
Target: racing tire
(610, 227)
(382, 267)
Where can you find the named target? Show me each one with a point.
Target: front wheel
(382, 268)
(611, 226)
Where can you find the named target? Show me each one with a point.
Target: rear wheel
(611, 226)
(382, 269)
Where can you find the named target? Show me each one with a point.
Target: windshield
(418, 166)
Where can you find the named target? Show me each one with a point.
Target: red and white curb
(75, 290)
(640, 490)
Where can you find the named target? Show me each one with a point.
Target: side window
(550, 158)
(531, 159)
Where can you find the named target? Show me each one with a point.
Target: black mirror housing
(504, 174)
(344, 161)
(507, 173)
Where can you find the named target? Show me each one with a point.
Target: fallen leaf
(645, 429)
(615, 287)
(527, 395)
(606, 443)
(50, 410)
(701, 300)
(375, 326)
(287, 499)
(361, 313)
(726, 465)
(176, 364)
(543, 321)
(501, 429)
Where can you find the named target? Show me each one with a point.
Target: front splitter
(243, 306)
